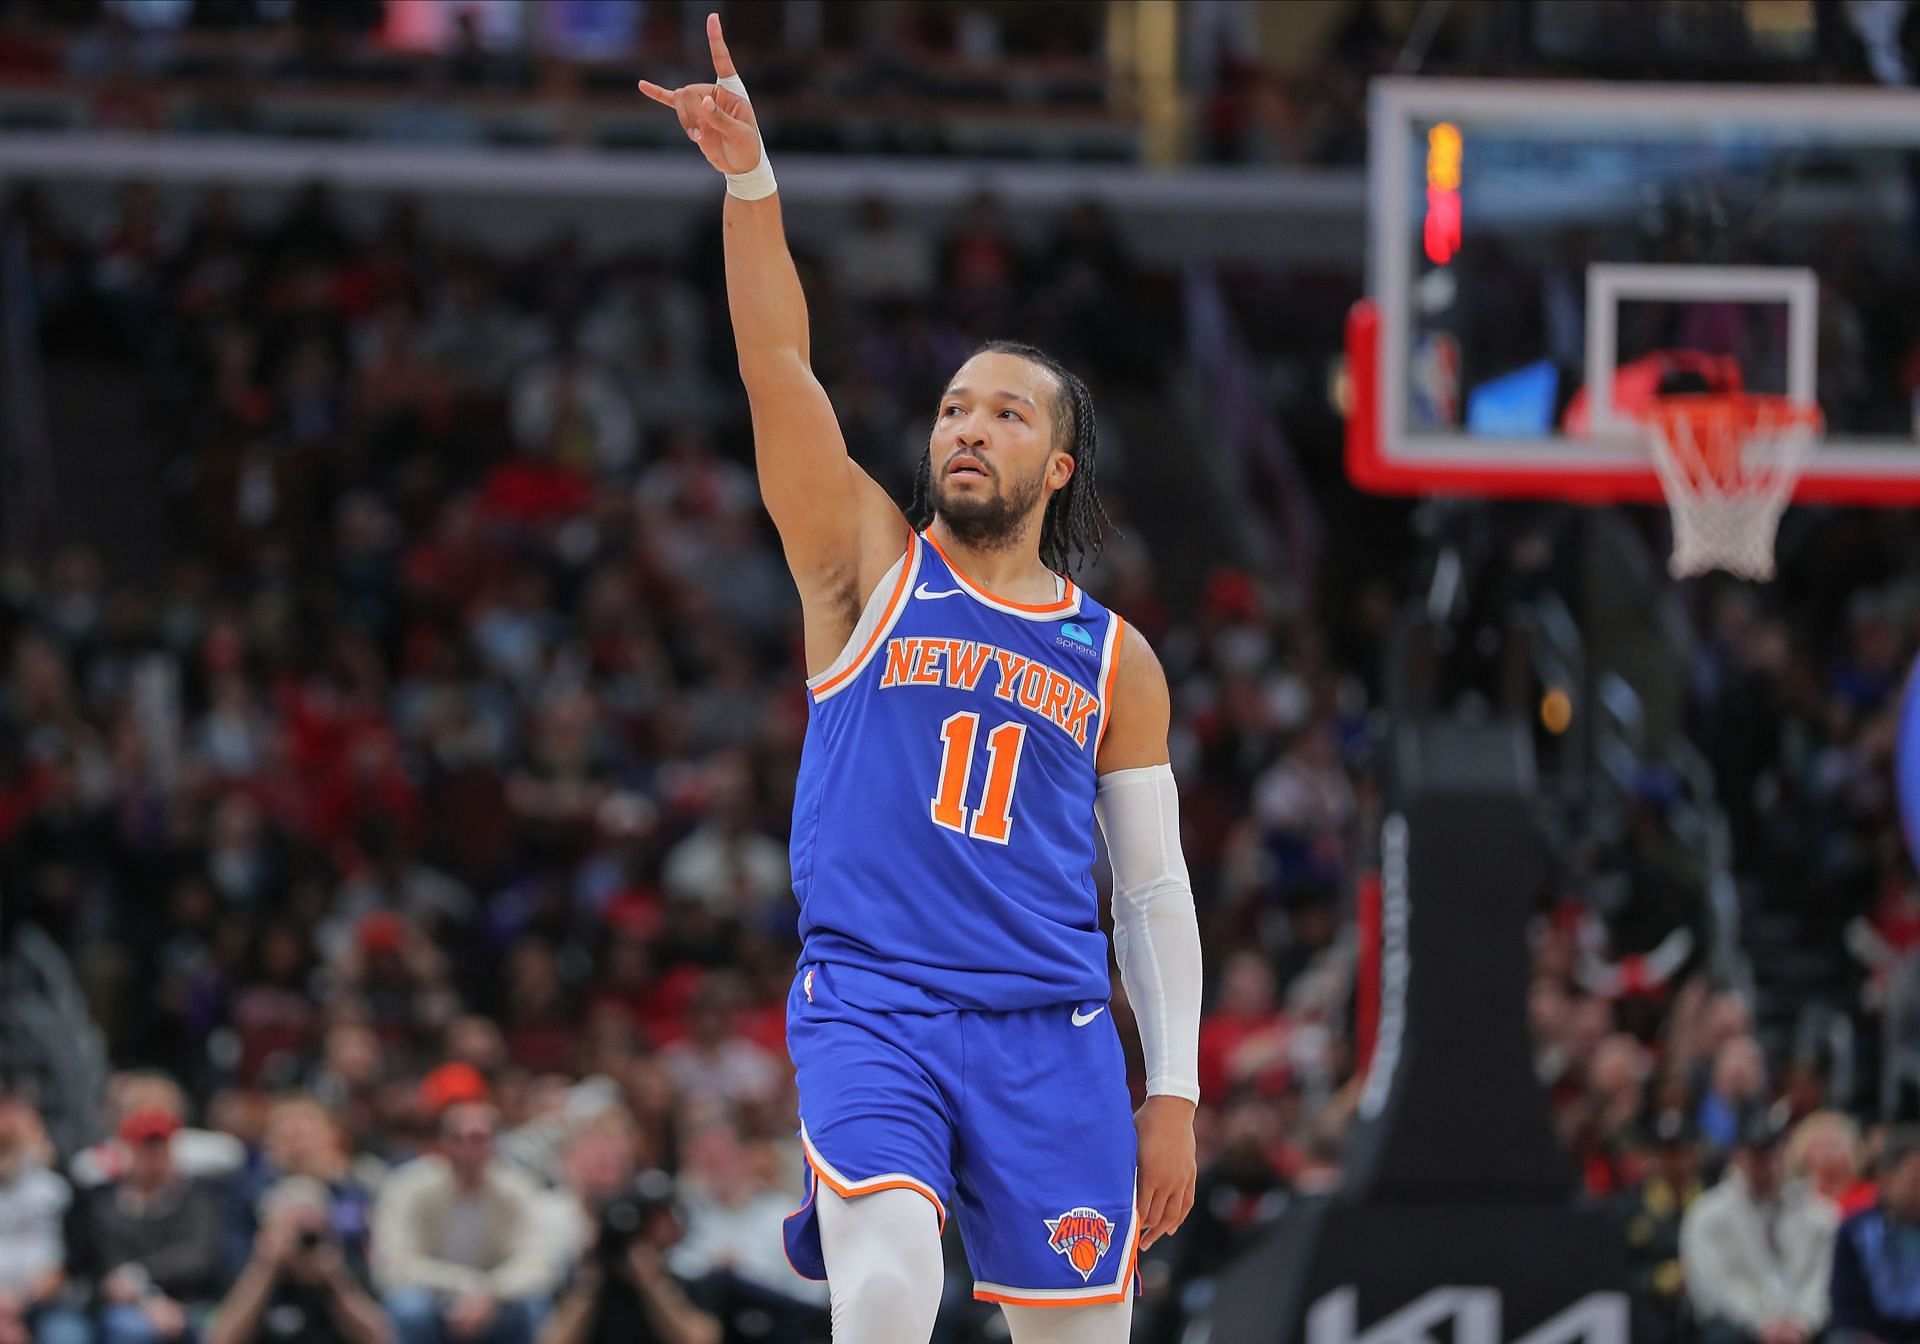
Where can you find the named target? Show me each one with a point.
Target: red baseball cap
(150, 1122)
(450, 1085)
(382, 931)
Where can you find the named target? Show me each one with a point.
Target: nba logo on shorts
(1081, 1235)
(807, 984)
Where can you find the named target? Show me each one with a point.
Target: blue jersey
(943, 829)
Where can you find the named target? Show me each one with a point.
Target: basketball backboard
(1545, 256)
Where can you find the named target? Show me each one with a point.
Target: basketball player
(973, 712)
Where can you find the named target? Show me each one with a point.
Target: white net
(1729, 465)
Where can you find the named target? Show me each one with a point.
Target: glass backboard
(1545, 257)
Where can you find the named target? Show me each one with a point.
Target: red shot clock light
(1442, 234)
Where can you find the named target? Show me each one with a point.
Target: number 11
(993, 819)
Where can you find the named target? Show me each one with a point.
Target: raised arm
(840, 530)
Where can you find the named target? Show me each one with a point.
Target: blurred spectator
(345, 1080)
(1756, 1248)
(980, 267)
(726, 864)
(1876, 1255)
(879, 258)
(195, 1152)
(650, 326)
(303, 1142)
(612, 1224)
(457, 1251)
(297, 1285)
(1307, 794)
(471, 332)
(1824, 1151)
(1652, 1214)
(33, 1251)
(1246, 1033)
(1601, 1129)
(686, 487)
(398, 974)
(1239, 1194)
(596, 1157)
(1737, 1082)
(734, 1204)
(622, 1292)
(152, 1239)
(712, 1063)
(25, 56)
(575, 411)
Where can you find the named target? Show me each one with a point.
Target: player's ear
(1060, 470)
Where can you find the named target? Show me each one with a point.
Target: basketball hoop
(1729, 464)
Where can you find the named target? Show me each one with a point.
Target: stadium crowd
(981, 78)
(416, 825)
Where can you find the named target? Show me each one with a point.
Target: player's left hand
(1167, 1169)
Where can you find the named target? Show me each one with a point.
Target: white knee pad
(1107, 1323)
(884, 1269)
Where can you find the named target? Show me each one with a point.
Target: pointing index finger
(722, 62)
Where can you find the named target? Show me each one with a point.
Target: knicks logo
(1081, 1235)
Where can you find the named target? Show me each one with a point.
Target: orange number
(994, 819)
(956, 767)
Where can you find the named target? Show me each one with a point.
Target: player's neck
(1013, 571)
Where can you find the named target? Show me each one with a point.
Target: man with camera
(621, 1292)
(297, 1288)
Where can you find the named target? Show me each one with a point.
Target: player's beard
(988, 522)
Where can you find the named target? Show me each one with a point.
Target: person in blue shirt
(1876, 1255)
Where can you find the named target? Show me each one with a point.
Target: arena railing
(1187, 214)
(50, 1047)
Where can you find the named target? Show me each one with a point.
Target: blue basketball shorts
(1019, 1121)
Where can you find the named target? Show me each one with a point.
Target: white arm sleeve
(1156, 936)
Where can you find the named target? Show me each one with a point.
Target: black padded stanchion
(1456, 1217)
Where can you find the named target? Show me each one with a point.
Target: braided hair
(1070, 531)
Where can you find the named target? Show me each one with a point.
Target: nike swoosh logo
(924, 591)
(1080, 1021)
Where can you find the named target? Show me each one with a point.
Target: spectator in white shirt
(1756, 1248)
(33, 1253)
(734, 1215)
(458, 1251)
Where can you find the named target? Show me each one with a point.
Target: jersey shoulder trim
(884, 605)
(1109, 673)
(1068, 604)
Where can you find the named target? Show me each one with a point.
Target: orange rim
(1718, 426)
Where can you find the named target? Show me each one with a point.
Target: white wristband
(757, 182)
